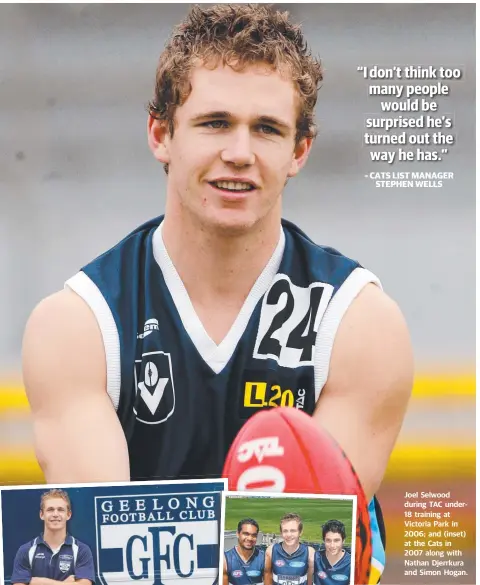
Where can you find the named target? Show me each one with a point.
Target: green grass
(268, 511)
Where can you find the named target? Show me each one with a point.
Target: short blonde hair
(289, 517)
(55, 493)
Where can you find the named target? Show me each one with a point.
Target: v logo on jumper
(154, 387)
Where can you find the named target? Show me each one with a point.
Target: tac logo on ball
(155, 538)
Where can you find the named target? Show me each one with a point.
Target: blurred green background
(268, 511)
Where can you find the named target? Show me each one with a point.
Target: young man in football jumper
(289, 562)
(244, 563)
(164, 346)
(333, 563)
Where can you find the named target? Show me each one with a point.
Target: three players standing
(289, 562)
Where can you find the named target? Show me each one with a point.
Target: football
(284, 450)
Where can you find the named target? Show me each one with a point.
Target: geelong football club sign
(158, 538)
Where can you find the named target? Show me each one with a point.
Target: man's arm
(84, 567)
(22, 572)
(267, 571)
(311, 557)
(46, 581)
(370, 381)
(78, 437)
(225, 573)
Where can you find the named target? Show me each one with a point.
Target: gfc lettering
(160, 554)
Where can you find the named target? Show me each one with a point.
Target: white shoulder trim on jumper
(90, 293)
(330, 322)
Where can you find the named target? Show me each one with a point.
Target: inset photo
(288, 539)
(152, 532)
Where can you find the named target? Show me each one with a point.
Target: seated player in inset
(244, 563)
(289, 562)
(333, 564)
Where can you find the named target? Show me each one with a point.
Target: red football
(284, 450)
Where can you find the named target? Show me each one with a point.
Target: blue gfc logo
(151, 539)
